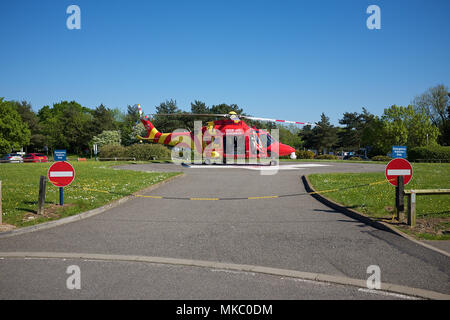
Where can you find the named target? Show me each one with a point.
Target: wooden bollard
(41, 200)
(412, 209)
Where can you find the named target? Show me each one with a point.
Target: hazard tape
(247, 198)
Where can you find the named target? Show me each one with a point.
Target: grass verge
(95, 185)
(378, 201)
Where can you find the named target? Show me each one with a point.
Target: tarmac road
(295, 233)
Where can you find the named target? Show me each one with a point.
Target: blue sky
(289, 60)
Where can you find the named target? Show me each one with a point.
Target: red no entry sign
(398, 167)
(61, 174)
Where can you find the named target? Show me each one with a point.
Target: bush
(429, 153)
(304, 154)
(141, 152)
(355, 158)
(327, 156)
(112, 151)
(381, 158)
(145, 152)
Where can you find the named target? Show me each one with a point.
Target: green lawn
(378, 201)
(20, 188)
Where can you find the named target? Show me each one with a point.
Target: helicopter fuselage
(222, 139)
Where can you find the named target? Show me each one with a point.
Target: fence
(411, 194)
(433, 160)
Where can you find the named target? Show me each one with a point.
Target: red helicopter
(222, 140)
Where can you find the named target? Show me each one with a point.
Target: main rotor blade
(189, 114)
(279, 121)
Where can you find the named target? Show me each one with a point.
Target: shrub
(355, 158)
(381, 158)
(429, 153)
(327, 156)
(107, 138)
(112, 151)
(304, 154)
(146, 151)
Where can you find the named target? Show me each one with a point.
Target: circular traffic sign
(398, 167)
(61, 174)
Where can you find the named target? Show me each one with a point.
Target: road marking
(384, 293)
(153, 197)
(317, 277)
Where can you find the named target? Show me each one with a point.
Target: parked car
(35, 157)
(363, 157)
(12, 158)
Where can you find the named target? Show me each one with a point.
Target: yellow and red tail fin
(153, 135)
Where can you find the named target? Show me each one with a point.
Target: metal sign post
(61, 196)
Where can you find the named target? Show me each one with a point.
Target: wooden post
(412, 209)
(1, 213)
(41, 200)
(399, 198)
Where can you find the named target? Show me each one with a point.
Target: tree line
(426, 122)
(71, 126)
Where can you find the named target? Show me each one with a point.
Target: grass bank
(378, 201)
(95, 184)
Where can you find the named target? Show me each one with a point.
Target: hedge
(429, 153)
(381, 158)
(112, 151)
(327, 156)
(141, 152)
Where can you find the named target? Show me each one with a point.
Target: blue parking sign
(399, 152)
(60, 155)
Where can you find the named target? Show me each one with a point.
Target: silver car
(12, 158)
